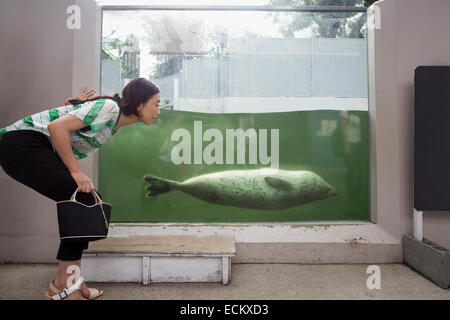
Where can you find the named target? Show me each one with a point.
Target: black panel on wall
(432, 138)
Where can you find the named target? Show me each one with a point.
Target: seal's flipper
(278, 183)
(157, 185)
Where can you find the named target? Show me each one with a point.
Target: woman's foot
(57, 287)
(90, 293)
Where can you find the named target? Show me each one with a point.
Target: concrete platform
(149, 259)
(250, 281)
(208, 246)
(307, 242)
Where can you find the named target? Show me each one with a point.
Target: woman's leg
(70, 253)
(28, 157)
(68, 273)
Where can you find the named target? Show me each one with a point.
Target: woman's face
(150, 110)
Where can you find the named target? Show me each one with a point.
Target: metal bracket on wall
(418, 225)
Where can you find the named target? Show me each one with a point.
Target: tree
(368, 3)
(324, 24)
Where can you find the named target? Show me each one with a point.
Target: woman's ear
(139, 108)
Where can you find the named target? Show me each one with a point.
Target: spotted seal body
(255, 189)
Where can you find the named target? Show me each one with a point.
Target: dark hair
(137, 91)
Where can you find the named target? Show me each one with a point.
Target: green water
(304, 144)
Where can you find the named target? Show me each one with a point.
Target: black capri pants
(28, 157)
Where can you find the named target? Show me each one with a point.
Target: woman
(41, 151)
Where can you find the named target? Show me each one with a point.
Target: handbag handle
(97, 201)
(96, 196)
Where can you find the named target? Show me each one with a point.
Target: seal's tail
(158, 185)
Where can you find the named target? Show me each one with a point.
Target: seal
(260, 189)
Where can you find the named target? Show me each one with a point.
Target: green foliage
(324, 24)
(368, 3)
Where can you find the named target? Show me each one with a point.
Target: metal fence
(276, 68)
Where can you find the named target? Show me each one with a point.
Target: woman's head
(140, 97)
(136, 96)
(149, 111)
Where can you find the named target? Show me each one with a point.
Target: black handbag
(78, 221)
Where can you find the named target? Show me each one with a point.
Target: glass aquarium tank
(264, 116)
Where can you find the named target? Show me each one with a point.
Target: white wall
(413, 33)
(40, 68)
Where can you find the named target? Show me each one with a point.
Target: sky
(235, 23)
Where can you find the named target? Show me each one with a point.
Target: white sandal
(62, 294)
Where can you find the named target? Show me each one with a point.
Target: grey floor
(249, 281)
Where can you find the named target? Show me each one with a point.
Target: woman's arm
(59, 130)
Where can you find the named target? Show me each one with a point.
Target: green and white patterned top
(100, 115)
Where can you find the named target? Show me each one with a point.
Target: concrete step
(148, 259)
(429, 259)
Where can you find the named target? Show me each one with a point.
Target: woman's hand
(82, 95)
(83, 181)
(85, 93)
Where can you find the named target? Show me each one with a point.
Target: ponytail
(115, 97)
